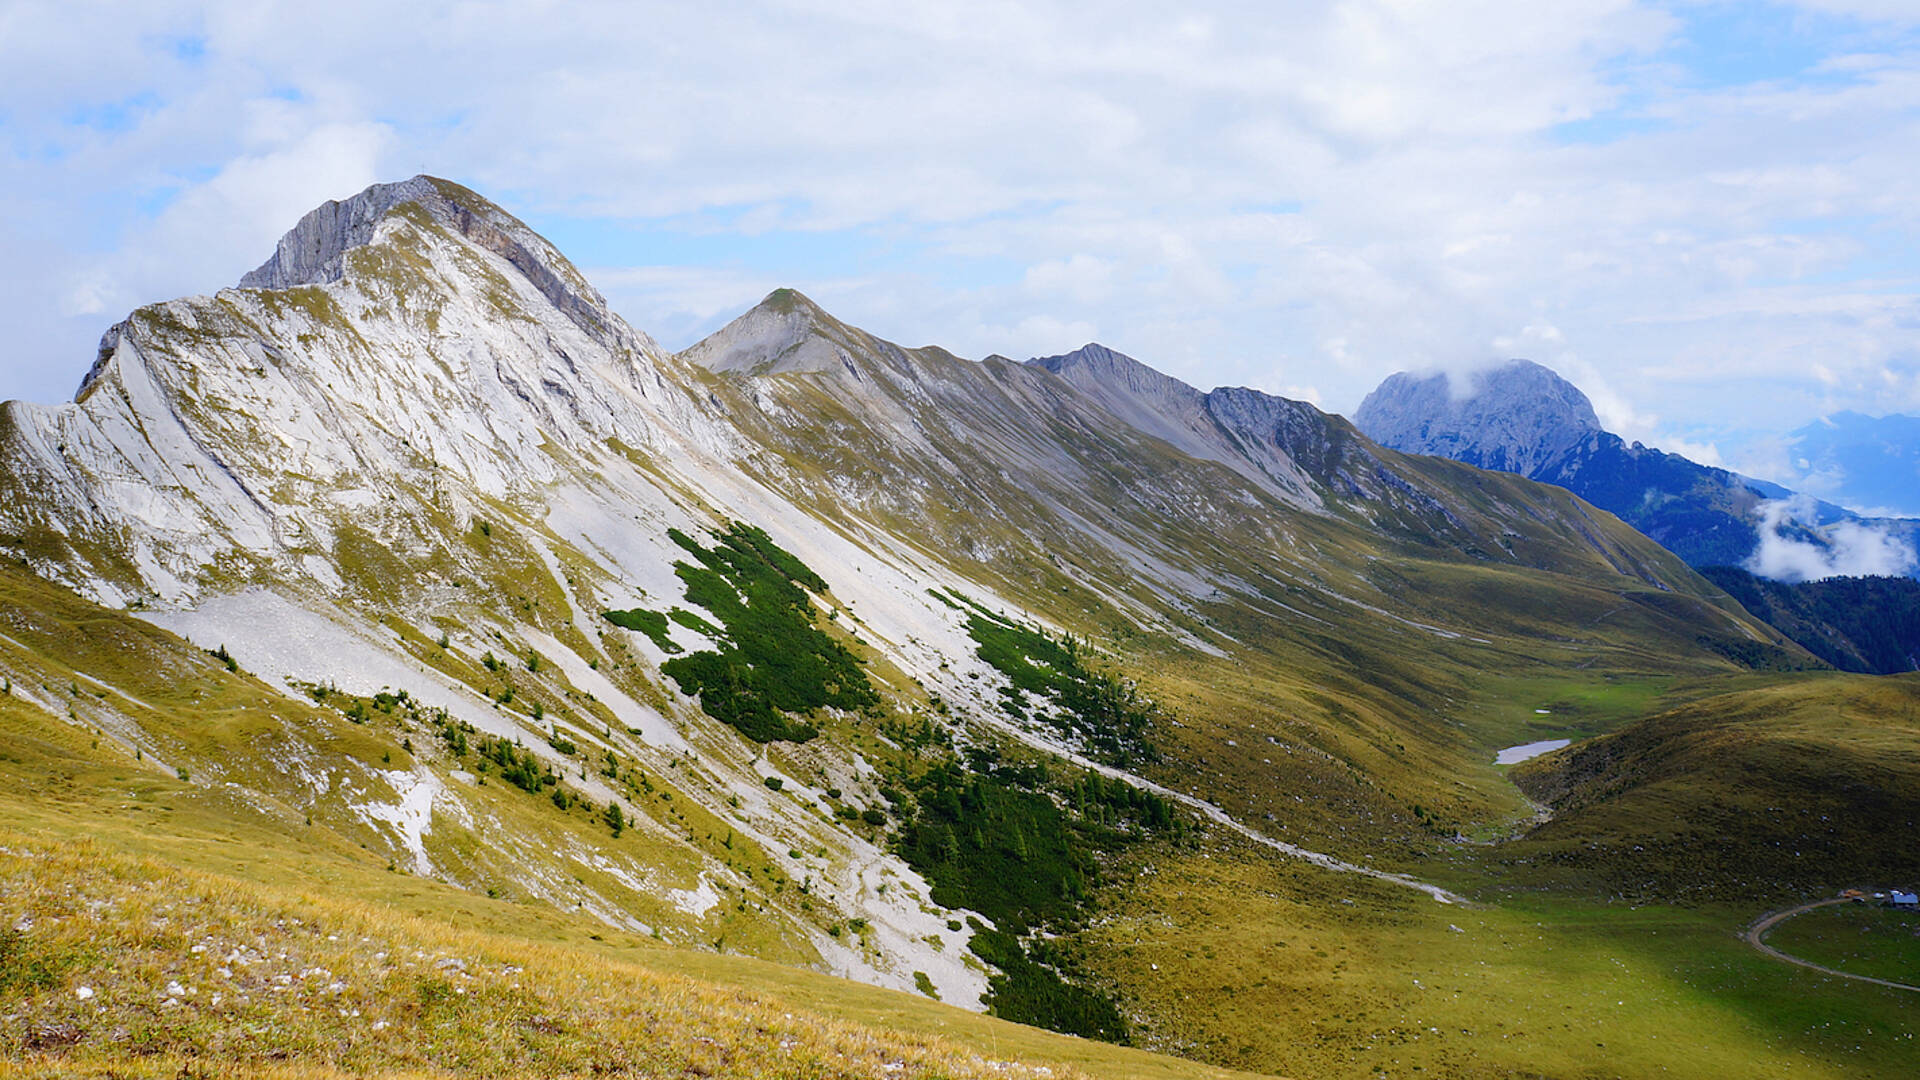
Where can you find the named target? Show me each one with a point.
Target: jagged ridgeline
(772, 664)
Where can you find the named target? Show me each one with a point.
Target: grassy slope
(1240, 960)
(1862, 624)
(1760, 795)
(1862, 939)
(85, 817)
(1371, 715)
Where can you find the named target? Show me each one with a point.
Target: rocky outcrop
(314, 251)
(404, 345)
(1213, 427)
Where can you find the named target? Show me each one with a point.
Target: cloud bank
(1794, 548)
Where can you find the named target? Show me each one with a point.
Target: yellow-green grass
(109, 958)
(1239, 959)
(1860, 939)
(1335, 736)
(242, 876)
(1758, 796)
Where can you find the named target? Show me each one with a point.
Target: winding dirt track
(1215, 813)
(1758, 931)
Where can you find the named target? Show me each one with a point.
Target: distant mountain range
(1866, 461)
(1521, 417)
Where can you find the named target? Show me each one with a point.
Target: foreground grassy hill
(115, 868)
(1767, 794)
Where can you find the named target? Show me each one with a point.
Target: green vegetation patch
(1022, 848)
(984, 843)
(774, 663)
(651, 623)
(1104, 713)
(1863, 624)
(1010, 843)
(1028, 992)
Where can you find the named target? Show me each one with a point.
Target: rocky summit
(1518, 417)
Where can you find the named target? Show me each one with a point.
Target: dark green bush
(1103, 712)
(651, 623)
(773, 663)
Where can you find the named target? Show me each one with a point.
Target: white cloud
(1846, 548)
(1082, 279)
(1361, 185)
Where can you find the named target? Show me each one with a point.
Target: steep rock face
(1519, 417)
(1169, 409)
(439, 335)
(1290, 438)
(312, 252)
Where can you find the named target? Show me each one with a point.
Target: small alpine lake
(1514, 755)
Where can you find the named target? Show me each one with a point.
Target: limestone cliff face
(409, 348)
(313, 251)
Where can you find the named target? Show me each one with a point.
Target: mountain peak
(785, 332)
(793, 302)
(1517, 416)
(1092, 354)
(1094, 367)
(314, 251)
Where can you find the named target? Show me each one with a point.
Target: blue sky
(1705, 214)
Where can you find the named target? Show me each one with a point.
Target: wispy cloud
(1793, 547)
